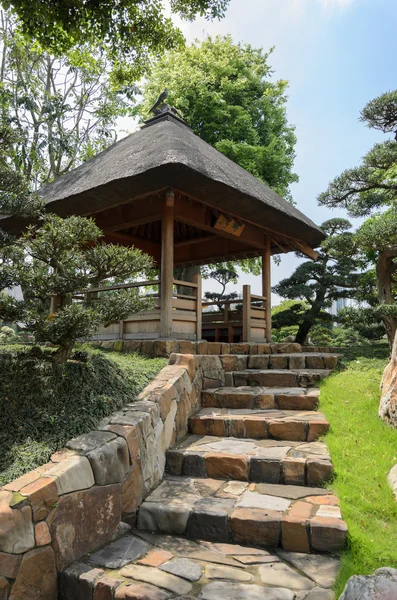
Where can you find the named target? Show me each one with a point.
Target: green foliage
(128, 31)
(61, 109)
(288, 313)
(333, 275)
(381, 112)
(226, 93)
(363, 450)
(366, 321)
(43, 405)
(367, 188)
(58, 264)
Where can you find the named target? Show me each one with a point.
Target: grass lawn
(43, 405)
(363, 449)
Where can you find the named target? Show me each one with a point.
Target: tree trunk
(186, 274)
(303, 331)
(385, 269)
(62, 355)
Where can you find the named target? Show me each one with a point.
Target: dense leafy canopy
(226, 94)
(61, 110)
(129, 31)
(333, 275)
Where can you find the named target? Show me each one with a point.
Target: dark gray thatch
(167, 153)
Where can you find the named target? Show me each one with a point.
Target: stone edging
(167, 347)
(78, 502)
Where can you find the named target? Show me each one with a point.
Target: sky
(337, 55)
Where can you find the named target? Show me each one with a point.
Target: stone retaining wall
(166, 347)
(77, 502)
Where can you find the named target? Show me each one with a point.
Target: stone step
(155, 566)
(261, 397)
(297, 426)
(301, 519)
(279, 378)
(264, 461)
(311, 360)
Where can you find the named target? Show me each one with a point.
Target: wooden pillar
(266, 289)
(167, 265)
(199, 317)
(246, 313)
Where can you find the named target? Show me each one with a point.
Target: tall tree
(15, 199)
(226, 94)
(333, 275)
(129, 31)
(371, 187)
(62, 110)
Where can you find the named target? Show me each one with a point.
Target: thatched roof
(166, 153)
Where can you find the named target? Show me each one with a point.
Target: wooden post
(266, 291)
(199, 293)
(167, 265)
(246, 313)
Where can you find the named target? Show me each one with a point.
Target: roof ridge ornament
(162, 111)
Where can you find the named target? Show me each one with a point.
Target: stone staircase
(242, 513)
(252, 469)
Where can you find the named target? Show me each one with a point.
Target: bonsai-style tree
(333, 275)
(223, 273)
(369, 188)
(64, 258)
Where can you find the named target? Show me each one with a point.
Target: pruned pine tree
(333, 275)
(370, 190)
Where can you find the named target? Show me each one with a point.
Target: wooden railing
(186, 313)
(247, 324)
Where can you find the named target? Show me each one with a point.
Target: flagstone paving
(173, 567)
(242, 513)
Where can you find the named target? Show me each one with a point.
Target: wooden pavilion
(169, 193)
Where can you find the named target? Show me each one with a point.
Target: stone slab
(183, 567)
(279, 574)
(119, 553)
(158, 578)
(240, 591)
(230, 573)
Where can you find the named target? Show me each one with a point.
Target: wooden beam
(130, 215)
(216, 248)
(266, 289)
(198, 240)
(283, 237)
(151, 248)
(199, 215)
(167, 265)
(307, 251)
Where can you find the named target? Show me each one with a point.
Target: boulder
(382, 585)
(388, 399)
